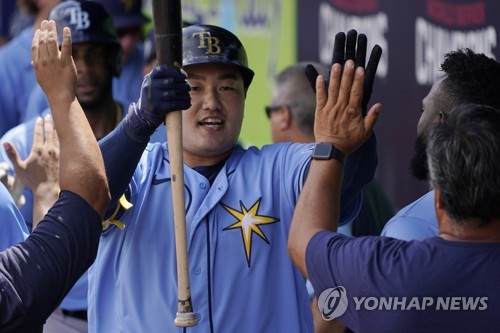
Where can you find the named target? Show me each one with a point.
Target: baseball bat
(167, 22)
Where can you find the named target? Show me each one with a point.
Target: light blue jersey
(241, 277)
(12, 227)
(417, 221)
(18, 78)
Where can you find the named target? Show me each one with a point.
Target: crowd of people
(289, 237)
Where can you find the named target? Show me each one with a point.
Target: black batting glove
(344, 48)
(163, 90)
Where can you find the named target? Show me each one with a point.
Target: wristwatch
(327, 151)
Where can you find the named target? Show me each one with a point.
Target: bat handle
(185, 316)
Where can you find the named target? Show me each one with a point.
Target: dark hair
(463, 153)
(471, 78)
(28, 6)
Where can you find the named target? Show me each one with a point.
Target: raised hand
(339, 118)
(40, 171)
(352, 47)
(55, 70)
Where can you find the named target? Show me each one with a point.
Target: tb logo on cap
(78, 18)
(207, 41)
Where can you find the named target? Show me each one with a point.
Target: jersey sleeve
(121, 156)
(409, 228)
(36, 274)
(362, 265)
(417, 221)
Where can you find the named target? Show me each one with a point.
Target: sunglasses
(270, 109)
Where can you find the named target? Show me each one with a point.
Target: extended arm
(81, 164)
(339, 121)
(163, 90)
(36, 274)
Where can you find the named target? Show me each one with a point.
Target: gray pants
(60, 323)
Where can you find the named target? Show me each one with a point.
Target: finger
(334, 84)
(48, 129)
(338, 56)
(42, 45)
(371, 70)
(346, 83)
(13, 156)
(321, 96)
(38, 133)
(34, 46)
(66, 47)
(311, 74)
(52, 47)
(361, 51)
(356, 96)
(372, 117)
(350, 46)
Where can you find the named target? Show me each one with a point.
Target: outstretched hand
(41, 168)
(40, 171)
(339, 118)
(352, 47)
(55, 70)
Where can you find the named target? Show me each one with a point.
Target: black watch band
(327, 151)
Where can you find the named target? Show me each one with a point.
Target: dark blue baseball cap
(125, 13)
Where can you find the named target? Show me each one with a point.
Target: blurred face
(213, 123)
(129, 37)
(428, 119)
(273, 112)
(430, 109)
(93, 73)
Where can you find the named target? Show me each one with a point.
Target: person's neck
(104, 118)
(470, 231)
(194, 161)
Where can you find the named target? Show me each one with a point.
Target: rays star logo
(249, 222)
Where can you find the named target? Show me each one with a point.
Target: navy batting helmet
(89, 22)
(208, 44)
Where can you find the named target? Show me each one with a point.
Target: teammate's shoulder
(282, 147)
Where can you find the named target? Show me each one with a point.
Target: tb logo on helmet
(78, 18)
(206, 41)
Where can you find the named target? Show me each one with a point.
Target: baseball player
(239, 205)
(127, 19)
(37, 273)
(97, 55)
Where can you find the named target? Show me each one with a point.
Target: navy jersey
(392, 285)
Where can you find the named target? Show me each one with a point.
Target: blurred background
(414, 35)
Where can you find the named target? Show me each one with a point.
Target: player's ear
(282, 118)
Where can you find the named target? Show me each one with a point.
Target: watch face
(322, 151)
